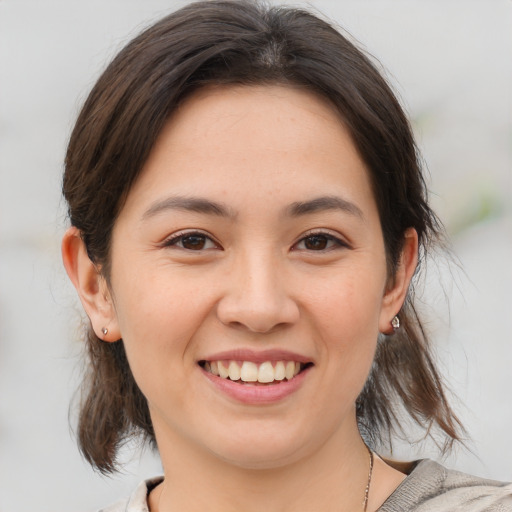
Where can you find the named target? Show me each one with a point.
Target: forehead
(243, 110)
(274, 142)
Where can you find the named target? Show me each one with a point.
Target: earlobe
(90, 285)
(397, 292)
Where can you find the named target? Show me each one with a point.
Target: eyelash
(338, 243)
(180, 237)
(175, 239)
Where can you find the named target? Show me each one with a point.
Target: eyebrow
(323, 203)
(208, 207)
(191, 204)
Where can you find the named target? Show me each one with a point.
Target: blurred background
(451, 64)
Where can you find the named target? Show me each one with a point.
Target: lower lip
(254, 394)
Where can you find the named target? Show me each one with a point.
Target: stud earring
(395, 323)
(104, 330)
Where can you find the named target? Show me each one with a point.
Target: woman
(247, 212)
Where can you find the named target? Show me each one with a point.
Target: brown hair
(245, 42)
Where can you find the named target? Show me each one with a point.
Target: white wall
(452, 64)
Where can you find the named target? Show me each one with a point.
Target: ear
(398, 286)
(91, 286)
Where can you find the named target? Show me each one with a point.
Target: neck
(332, 478)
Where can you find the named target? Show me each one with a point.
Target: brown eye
(316, 242)
(192, 242)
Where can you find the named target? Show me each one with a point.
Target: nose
(257, 296)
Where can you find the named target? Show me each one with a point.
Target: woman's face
(251, 244)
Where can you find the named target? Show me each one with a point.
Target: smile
(267, 372)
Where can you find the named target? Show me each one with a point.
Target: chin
(258, 460)
(258, 452)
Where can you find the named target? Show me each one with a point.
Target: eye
(192, 241)
(318, 242)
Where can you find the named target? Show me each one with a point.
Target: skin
(254, 277)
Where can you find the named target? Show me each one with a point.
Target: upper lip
(257, 356)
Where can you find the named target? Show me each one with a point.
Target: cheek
(155, 298)
(347, 305)
(157, 318)
(345, 311)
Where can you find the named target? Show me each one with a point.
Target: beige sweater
(429, 487)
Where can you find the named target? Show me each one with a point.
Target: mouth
(255, 374)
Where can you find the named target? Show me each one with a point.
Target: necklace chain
(370, 472)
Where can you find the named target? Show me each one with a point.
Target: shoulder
(137, 501)
(430, 487)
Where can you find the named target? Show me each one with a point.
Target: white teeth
(223, 371)
(289, 370)
(279, 372)
(234, 370)
(266, 372)
(248, 371)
